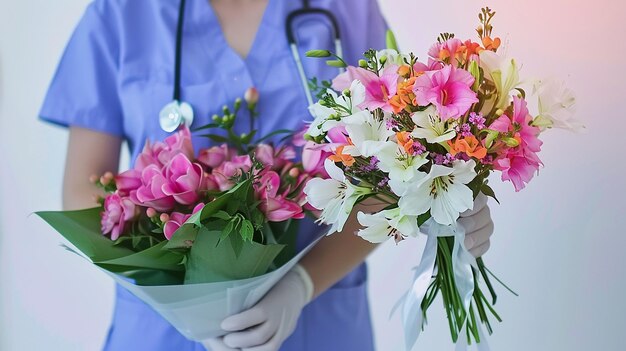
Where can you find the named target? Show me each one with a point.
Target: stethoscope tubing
(179, 112)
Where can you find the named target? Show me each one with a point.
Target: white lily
(367, 132)
(335, 196)
(503, 72)
(442, 191)
(387, 224)
(429, 126)
(326, 118)
(556, 104)
(400, 166)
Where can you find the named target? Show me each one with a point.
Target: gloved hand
(478, 226)
(217, 344)
(265, 326)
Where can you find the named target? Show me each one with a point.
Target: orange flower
(339, 156)
(404, 95)
(404, 140)
(471, 48)
(469, 145)
(491, 44)
(404, 71)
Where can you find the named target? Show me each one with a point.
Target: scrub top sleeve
(377, 26)
(84, 89)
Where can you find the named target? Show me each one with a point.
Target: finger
(479, 203)
(244, 320)
(272, 345)
(480, 250)
(476, 221)
(479, 237)
(216, 344)
(255, 336)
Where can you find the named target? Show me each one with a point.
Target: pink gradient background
(559, 243)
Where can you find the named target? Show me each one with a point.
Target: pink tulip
(264, 153)
(183, 180)
(128, 181)
(117, 212)
(179, 142)
(198, 208)
(229, 170)
(447, 89)
(175, 221)
(149, 155)
(214, 156)
(275, 207)
(209, 183)
(150, 193)
(280, 209)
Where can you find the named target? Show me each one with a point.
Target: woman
(117, 73)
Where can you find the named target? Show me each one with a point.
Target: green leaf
(82, 229)
(154, 258)
(247, 230)
(421, 219)
(216, 138)
(487, 190)
(336, 63)
(237, 243)
(183, 238)
(227, 230)
(223, 215)
(212, 207)
(276, 132)
(210, 261)
(318, 53)
(206, 126)
(390, 38)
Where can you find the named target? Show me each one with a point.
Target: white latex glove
(217, 344)
(478, 226)
(265, 326)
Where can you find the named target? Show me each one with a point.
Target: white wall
(558, 243)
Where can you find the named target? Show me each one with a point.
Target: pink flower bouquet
(423, 137)
(198, 236)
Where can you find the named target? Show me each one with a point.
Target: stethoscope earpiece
(174, 114)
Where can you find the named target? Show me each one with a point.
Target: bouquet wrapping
(423, 137)
(198, 236)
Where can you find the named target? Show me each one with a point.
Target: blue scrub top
(117, 73)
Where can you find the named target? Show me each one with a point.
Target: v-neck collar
(207, 20)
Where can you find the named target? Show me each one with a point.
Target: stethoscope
(178, 112)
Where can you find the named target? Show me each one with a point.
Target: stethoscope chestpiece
(174, 114)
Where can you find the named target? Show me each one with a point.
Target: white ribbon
(462, 262)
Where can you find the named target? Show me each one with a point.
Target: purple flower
(478, 120)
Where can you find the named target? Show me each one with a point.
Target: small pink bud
(151, 212)
(251, 96)
(164, 217)
(197, 208)
(294, 172)
(93, 179)
(105, 181)
(108, 175)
